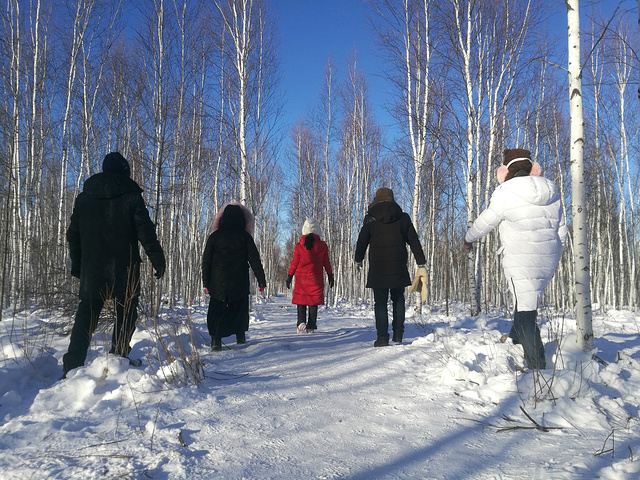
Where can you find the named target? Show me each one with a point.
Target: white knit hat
(311, 226)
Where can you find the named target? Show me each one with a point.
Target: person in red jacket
(310, 256)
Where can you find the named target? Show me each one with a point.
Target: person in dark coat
(387, 230)
(109, 219)
(229, 252)
(310, 257)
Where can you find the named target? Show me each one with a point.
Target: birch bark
(578, 206)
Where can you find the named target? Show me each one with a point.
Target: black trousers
(85, 324)
(525, 331)
(380, 298)
(312, 324)
(228, 318)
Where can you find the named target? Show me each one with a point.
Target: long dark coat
(109, 219)
(387, 230)
(229, 252)
(307, 266)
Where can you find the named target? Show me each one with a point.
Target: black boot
(382, 341)
(397, 337)
(216, 344)
(528, 334)
(68, 364)
(241, 339)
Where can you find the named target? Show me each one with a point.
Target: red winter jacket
(307, 267)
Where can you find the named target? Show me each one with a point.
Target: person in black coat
(109, 219)
(387, 230)
(229, 252)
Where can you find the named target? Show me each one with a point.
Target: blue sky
(310, 31)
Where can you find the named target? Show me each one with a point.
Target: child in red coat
(310, 256)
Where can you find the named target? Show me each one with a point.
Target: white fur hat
(311, 226)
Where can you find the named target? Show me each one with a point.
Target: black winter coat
(225, 263)
(387, 230)
(109, 218)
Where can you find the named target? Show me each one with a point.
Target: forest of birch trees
(188, 91)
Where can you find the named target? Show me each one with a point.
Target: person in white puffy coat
(528, 212)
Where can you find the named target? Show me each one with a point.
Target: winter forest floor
(447, 403)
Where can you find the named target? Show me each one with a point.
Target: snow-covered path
(328, 405)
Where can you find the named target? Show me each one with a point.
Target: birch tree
(622, 61)
(80, 25)
(12, 27)
(403, 31)
(358, 159)
(464, 18)
(404, 34)
(325, 123)
(578, 205)
(238, 18)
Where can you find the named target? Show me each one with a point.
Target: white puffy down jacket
(532, 233)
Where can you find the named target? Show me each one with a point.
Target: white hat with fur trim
(311, 226)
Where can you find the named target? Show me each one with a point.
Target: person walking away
(310, 257)
(109, 218)
(527, 210)
(386, 231)
(229, 252)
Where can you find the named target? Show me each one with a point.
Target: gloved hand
(288, 282)
(331, 280)
(261, 289)
(468, 246)
(420, 283)
(358, 266)
(159, 274)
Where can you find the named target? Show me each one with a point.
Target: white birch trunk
(15, 225)
(464, 26)
(579, 207)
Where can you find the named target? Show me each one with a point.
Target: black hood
(386, 212)
(232, 217)
(109, 185)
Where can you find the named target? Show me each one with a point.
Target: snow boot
(135, 362)
(381, 342)
(302, 319)
(68, 364)
(241, 338)
(216, 344)
(397, 337)
(528, 334)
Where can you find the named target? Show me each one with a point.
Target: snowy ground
(448, 403)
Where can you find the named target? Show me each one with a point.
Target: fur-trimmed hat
(114, 162)
(517, 161)
(311, 226)
(249, 219)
